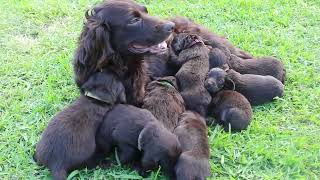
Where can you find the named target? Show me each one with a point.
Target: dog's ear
(229, 84)
(94, 45)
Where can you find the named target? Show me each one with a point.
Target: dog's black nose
(169, 26)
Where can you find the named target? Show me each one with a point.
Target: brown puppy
(256, 88)
(193, 55)
(69, 140)
(164, 101)
(231, 110)
(158, 66)
(117, 34)
(138, 134)
(260, 66)
(185, 25)
(193, 163)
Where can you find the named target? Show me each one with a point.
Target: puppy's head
(160, 147)
(106, 86)
(169, 82)
(217, 79)
(184, 41)
(189, 116)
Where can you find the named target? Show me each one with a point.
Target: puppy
(193, 55)
(157, 66)
(260, 66)
(231, 110)
(256, 88)
(138, 134)
(185, 25)
(69, 140)
(164, 101)
(193, 163)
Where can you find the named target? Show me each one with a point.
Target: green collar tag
(93, 96)
(166, 83)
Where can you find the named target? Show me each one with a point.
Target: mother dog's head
(118, 30)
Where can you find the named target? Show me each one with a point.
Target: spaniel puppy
(260, 66)
(164, 101)
(193, 163)
(193, 57)
(69, 140)
(158, 66)
(137, 134)
(185, 25)
(256, 88)
(231, 110)
(117, 35)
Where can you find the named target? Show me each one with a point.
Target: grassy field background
(37, 41)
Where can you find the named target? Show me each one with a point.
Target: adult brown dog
(117, 34)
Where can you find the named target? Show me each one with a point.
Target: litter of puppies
(154, 111)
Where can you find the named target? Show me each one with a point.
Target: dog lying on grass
(193, 56)
(137, 134)
(193, 163)
(256, 88)
(69, 142)
(164, 101)
(260, 66)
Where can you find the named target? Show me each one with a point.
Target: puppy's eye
(220, 81)
(134, 20)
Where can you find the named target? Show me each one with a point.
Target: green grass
(37, 41)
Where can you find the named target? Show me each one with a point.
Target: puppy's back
(125, 122)
(61, 129)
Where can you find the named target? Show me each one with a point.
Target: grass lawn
(37, 41)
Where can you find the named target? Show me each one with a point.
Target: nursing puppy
(231, 110)
(260, 66)
(185, 25)
(256, 88)
(69, 140)
(138, 134)
(193, 163)
(164, 101)
(193, 55)
(157, 66)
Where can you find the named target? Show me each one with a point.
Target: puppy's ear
(229, 84)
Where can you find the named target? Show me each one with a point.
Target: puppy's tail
(234, 118)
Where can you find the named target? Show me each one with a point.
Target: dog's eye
(134, 20)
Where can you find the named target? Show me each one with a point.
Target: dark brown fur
(164, 101)
(185, 25)
(117, 34)
(256, 88)
(260, 66)
(231, 108)
(193, 163)
(138, 134)
(158, 66)
(69, 140)
(193, 55)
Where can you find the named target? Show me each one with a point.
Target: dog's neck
(127, 65)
